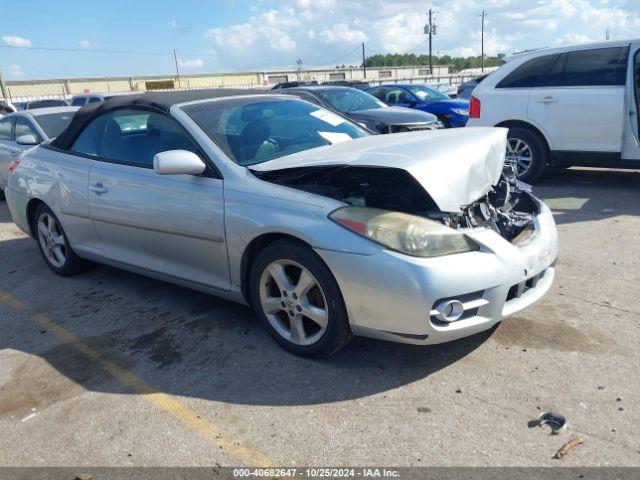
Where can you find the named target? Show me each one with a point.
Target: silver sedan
(22, 130)
(268, 200)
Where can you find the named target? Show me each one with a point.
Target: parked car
(464, 90)
(6, 107)
(266, 199)
(367, 110)
(359, 84)
(87, 98)
(450, 113)
(566, 106)
(445, 88)
(22, 130)
(293, 84)
(51, 102)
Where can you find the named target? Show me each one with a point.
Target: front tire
(527, 151)
(298, 300)
(54, 244)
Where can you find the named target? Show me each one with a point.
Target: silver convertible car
(261, 198)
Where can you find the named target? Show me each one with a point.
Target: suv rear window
(594, 67)
(531, 73)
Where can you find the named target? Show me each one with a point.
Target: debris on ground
(555, 421)
(567, 447)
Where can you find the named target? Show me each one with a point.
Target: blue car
(450, 112)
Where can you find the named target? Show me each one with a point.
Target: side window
(397, 95)
(132, 137)
(24, 127)
(88, 142)
(6, 129)
(378, 93)
(533, 73)
(95, 100)
(602, 66)
(78, 102)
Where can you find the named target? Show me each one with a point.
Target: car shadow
(187, 343)
(584, 194)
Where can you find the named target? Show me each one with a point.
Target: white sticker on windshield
(335, 137)
(328, 117)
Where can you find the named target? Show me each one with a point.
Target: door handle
(548, 100)
(15, 153)
(98, 189)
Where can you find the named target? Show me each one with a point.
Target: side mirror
(27, 139)
(178, 162)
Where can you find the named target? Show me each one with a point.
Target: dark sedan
(367, 110)
(450, 112)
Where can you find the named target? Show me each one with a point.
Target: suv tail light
(474, 107)
(12, 166)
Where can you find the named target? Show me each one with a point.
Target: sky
(67, 38)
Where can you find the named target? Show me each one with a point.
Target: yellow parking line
(167, 403)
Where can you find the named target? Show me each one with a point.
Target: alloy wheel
(293, 302)
(52, 240)
(519, 154)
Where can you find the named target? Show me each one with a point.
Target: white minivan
(565, 106)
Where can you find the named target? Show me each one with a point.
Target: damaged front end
(507, 208)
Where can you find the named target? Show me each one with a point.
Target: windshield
(426, 93)
(255, 130)
(352, 100)
(54, 123)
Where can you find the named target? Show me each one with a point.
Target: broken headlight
(409, 234)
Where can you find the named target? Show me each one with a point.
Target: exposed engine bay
(507, 208)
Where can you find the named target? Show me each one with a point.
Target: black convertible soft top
(159, 101)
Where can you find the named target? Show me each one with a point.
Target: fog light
(449, 311)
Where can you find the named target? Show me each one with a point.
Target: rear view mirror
(27, 139)
(178, 162)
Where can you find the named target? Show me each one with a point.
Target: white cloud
(341, 33)
(15, 70)
(14, 41)
(84, 43)
(319, 31)
(195, 63)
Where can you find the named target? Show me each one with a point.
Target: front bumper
(390, 296)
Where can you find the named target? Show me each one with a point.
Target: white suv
(565, 106)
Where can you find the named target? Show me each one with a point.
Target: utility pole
(3, 88)
(364, 67)
(175, 58)
(606, 35)
(430, 29)
(482, 42)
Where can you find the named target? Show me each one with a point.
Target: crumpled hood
(455, 166)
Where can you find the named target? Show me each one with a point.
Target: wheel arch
(32, 206)
(252, 251)
(528, 126)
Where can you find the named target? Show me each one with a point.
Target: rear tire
(528, 151)
(288, 280)
(54, 244)
(444, 122)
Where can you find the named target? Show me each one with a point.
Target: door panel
(171, 224)
(631, 136)
(9, 150)
(580, 118)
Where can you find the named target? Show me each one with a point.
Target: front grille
(519, 289)
(464, 298)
